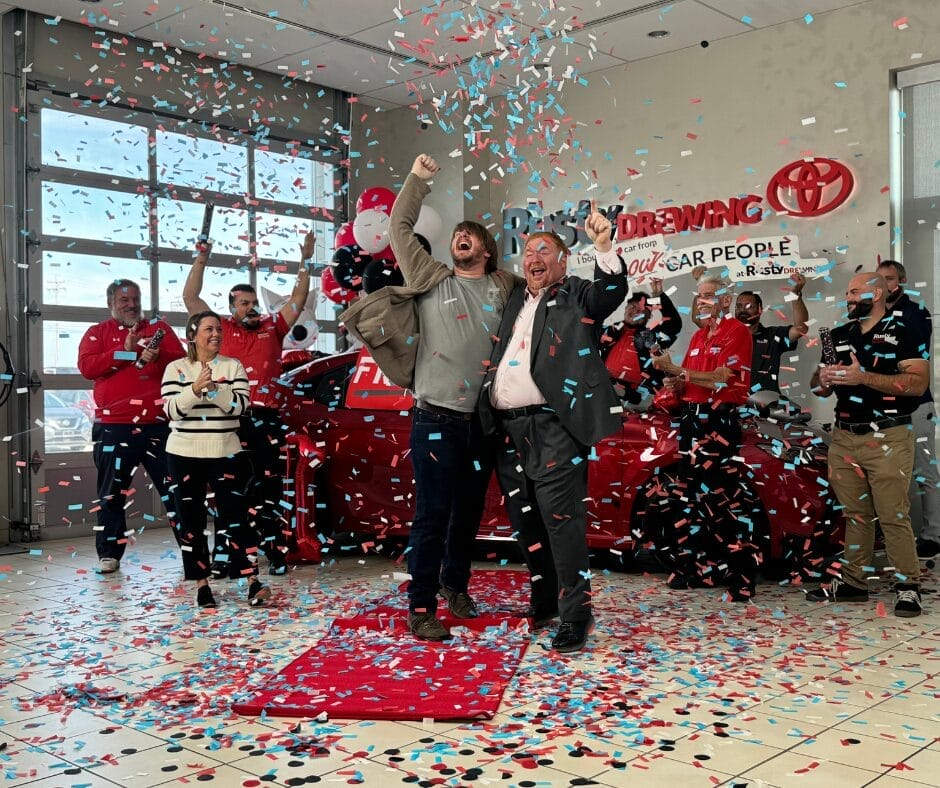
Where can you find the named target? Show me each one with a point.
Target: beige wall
(745, 99)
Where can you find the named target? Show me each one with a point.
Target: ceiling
(394, 53)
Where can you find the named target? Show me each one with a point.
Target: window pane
(61, 270)
(60, 341)
(280, 237)
(101, 214)
(326, 342)
(68, 415)
(283, 178)
(180, 223)
(216, 284)
(296, 179)
(925, 139)
(201, 163)
(84, 142)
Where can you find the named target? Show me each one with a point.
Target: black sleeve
(672, 321)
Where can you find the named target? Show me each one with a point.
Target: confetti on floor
(119, 680)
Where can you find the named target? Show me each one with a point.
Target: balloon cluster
(363, 260)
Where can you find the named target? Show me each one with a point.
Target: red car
(348, 469)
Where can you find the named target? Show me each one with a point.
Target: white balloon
(370, 229)
(429, 224)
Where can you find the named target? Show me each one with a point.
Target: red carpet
(369, 667)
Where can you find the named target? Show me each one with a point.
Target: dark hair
(119, 284)
(899, 267)
(752, 294)
(192, 326)
(485, 237)
(636, 297)
(246, 288)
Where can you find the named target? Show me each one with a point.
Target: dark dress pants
(543, 474)
(189, 478)
(713, 532)
(452, 467)
(118, 450)
(262, 435)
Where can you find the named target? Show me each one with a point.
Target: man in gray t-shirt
(458, 313)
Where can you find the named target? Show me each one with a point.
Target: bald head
(866, 295)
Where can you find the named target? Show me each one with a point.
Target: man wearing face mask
(880, 373)
(924, 419)
(257, 341)
(770, 342)
(130, 428)
(626, 347)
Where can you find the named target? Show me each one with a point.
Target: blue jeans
(452, 466)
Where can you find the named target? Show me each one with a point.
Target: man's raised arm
(193, 285)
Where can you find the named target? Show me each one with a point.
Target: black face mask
(861, 310)
(748, 318)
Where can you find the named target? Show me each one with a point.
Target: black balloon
(380, 273)
(348, 263)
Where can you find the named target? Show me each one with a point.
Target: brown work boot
(460, 603)
(426, 626)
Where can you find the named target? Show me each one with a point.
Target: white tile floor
(118, 680)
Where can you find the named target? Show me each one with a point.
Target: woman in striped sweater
(204, 394)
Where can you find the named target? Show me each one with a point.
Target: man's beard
(747, 318)
(861, 309)
(637, 321)
(252, 316)
(894, 296)
(465, 264)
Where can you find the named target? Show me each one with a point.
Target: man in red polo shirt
(257, 341)
(130, 428)
(711, 534)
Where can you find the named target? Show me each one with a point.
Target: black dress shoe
(540, 618)
(572, 635)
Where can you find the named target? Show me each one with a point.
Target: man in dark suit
(548, 394)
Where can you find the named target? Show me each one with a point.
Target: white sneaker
(108, 565)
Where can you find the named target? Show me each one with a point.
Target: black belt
(709, 407)
(261, 410)
(528, 410)
(862, 428)
(421, 404)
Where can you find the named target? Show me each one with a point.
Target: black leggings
(189, 477)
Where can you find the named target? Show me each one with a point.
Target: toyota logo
(807, 182)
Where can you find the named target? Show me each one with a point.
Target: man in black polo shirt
(879, 375)
(770, 342)
(926, 473)
(626, 347)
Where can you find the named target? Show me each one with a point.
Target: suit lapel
(541, 315)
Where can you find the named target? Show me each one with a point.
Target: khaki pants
(870, 474)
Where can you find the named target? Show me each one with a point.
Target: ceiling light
(658, 33)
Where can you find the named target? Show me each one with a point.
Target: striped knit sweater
(204, 427)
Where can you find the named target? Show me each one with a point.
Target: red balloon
(377, 197)
(344, 235)
(333, 290)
